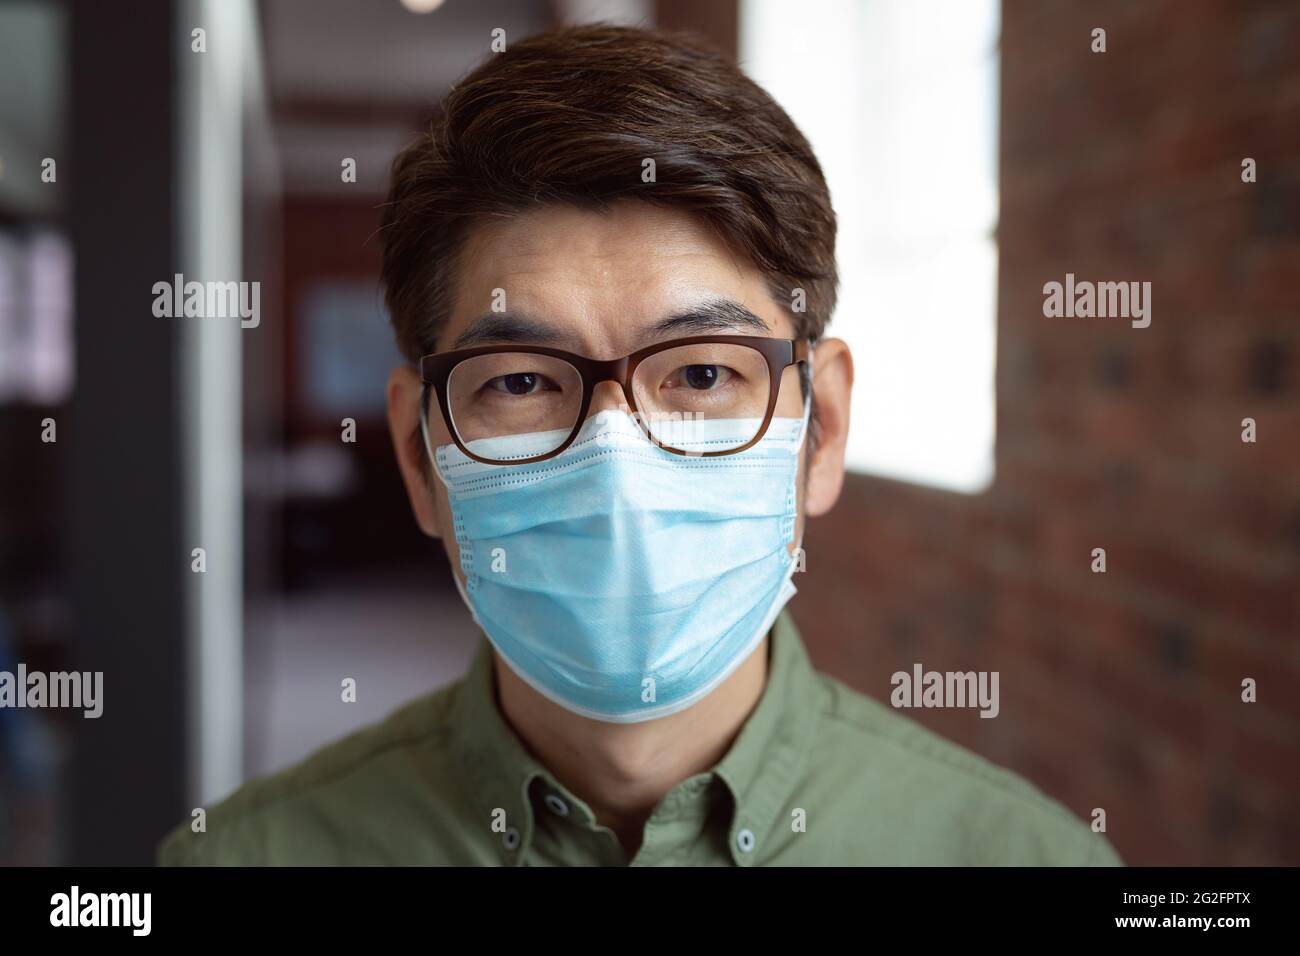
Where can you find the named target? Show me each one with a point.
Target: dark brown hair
(568, 117)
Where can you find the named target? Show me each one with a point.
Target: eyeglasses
(702, 396)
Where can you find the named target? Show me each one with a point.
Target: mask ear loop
(424, 434)
(433, 463)
(803, 434)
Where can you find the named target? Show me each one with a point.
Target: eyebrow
(712, 315)
(506, 327)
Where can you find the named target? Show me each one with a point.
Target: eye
(699, 377)
(521, 383)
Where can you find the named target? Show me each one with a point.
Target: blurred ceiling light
(422, 6)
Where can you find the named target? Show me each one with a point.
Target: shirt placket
(675, 826)
(567, 832)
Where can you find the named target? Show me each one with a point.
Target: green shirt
(819, 774)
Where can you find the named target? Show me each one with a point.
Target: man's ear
(404, 425)
(832, 388)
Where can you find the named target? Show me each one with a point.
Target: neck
(622, 771)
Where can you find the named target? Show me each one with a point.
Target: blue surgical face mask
(622, 581)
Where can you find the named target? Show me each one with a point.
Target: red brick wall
(1120, 690)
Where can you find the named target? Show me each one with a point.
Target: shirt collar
(760, 770)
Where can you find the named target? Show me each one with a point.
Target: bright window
(899, 99)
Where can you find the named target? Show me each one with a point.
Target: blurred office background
(975, 151)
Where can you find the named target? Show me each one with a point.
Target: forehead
(602, 281)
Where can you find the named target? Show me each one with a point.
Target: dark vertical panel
(126, 552)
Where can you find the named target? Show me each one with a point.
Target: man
(610, 264)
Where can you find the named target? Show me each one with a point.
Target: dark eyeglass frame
(436, 369)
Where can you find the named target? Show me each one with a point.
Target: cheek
(439, 433)
(789, 403)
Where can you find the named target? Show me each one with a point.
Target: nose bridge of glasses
(606, 380)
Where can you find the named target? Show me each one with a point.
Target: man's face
(604, 284)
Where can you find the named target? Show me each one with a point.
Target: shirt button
(557, 805)
(510, 838)
(745, 840)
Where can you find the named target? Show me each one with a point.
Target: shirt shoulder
(910, 796)
(321, 811)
